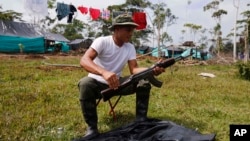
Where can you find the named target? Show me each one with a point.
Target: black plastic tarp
(152, 130)
(11, 28)
(19, 29)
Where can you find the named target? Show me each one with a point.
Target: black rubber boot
(90, 116)
(142, 101)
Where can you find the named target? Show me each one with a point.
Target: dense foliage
(244, 70)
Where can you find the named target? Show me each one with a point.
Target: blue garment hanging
(62, 10)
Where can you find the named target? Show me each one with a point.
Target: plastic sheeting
(152, 130)
(13, 34)
(10, 28)
(11, 44)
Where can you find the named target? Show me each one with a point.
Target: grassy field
(37, 100)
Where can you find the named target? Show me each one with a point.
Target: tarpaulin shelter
(55, 37)
(144, 49)
(55, 42)
(16, 37)
(76, 44)
(80, 43)
(174, 51)
(161, 51)
(198, 54)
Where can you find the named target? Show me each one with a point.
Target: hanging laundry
(39, 7)
(105, 14)
(72, 10)
(62, 10)
(140, 19)
(94, 13)
(84, 10)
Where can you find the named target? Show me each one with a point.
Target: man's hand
(112, 79)
(158, 70)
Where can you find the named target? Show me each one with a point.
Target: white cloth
(111, 57)
(38, 7)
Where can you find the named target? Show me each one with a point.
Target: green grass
(36, 100)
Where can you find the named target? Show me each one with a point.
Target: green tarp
(14, 44)
(16, 37)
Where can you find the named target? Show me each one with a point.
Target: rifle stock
(146, 74)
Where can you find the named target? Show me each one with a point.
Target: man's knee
(87, 87)
(85, 82)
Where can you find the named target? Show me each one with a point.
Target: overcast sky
(192, 13)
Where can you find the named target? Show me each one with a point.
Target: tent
(80, 43)
(167, 51)
(55, 37)
(19, 37)
(174, 51)
(144, 49)
(163, 52)
(55, 42)
(197, 54)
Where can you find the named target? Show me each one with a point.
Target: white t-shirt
(110, 56)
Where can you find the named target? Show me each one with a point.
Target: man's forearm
(137, 70)
(91, 67)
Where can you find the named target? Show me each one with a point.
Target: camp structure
(55, 43)
(144, 49)
(80, 44)
(161, 51)
(19, 37)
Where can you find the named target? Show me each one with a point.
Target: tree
(203, 39)
(217, 15)
(183, 31)
(236, 18)
(163, 17)
(138, 3)
(140, 36)
(246, 32)
(70, 31)
(165, 37)
(48, 20)
(10, 15)
(193, 29)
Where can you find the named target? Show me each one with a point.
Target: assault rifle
(146, 74)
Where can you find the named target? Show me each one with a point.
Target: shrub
(244, 70)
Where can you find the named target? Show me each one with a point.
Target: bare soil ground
(222, 59)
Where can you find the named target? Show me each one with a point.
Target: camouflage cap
(123, 20)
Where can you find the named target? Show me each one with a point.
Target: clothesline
(65, 10)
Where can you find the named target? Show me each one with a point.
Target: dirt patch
(50, 68)
(143, 57)
(22, 56)
(35, 57)
(224, 59)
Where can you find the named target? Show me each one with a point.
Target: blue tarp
(198, 54)
(163, 52)
(59, 46)
(13, 44)
(65, 47)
